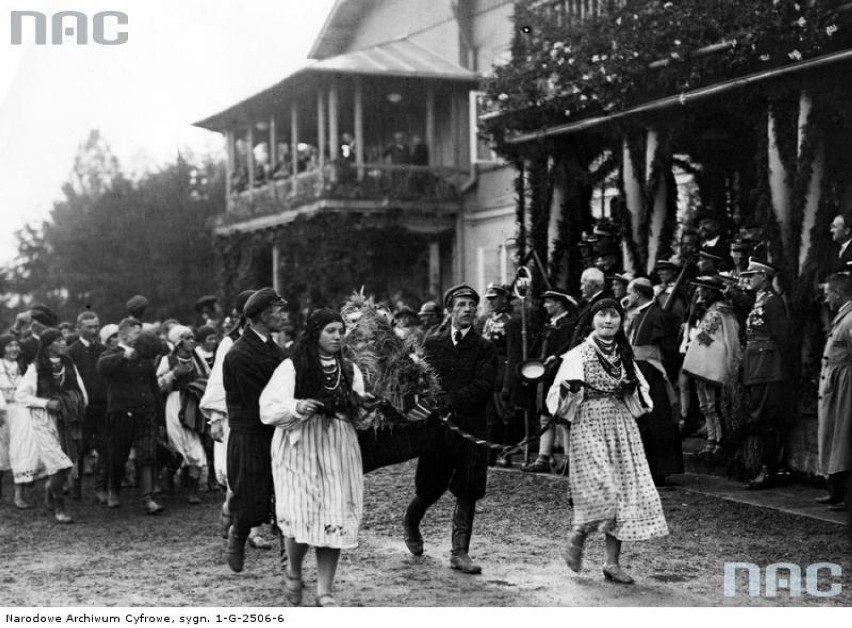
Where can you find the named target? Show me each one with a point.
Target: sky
(183, 60)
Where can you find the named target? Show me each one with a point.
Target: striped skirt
(319, 485)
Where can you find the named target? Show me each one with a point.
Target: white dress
(51, 458)
(187, 442)
(316, 467)
(5, 462)
(214, 407)
(23, 449)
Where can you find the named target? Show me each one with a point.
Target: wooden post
(276, 260)
(359, 127)
(435, 268)
(273, 147)
(294, 146)
(333, 131)
(430, 124)
(812, 199)
(231, 165)
(658, 217)
(633, 194)
(321, 128)
(250, 156)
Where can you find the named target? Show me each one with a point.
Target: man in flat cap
(467, 366)
(764, 370)
(133, 396)
(136, 306)
(430, 318)
(671, 300)
(497, 327)
(552, 342)
(247, 368)
(652, 333)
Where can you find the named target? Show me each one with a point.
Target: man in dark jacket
(467, 366)
(85, 352)
(496, 330)
(247, 368)
(132, 403)
(592, 287)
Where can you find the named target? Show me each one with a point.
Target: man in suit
(496, 330)
(592, 288)
(133, 396)
(764, 371)
(467, 366)
(841, 234)
(556, 335)
(247, 368)
(85, 352)
(712, 242)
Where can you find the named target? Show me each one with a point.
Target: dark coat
(131, 384)
(248, 367)
(767, 345)
(86, 361)
(466, 373)
(838, 262)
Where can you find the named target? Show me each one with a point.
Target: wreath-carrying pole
(523, 285)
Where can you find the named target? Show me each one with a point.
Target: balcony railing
(564, 12)
(346, 181)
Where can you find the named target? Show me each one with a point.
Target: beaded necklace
(608, 356)
(330, 373)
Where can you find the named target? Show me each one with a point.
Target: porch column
(633, 194)
(250, 156)
(229, 167)
(435, 268)
(321, 128)
(779, 190)
(294, 146)
(658, 212)
(276, 260)
(359, 127)
(333, 134)
(273, 145)
(812, 199)
(430, 124)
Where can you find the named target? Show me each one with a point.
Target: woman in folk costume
(599, 389)
(55, 396)
(23, 458)
(313, 399)
(713, 357)
(182, 375)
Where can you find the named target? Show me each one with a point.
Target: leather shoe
(541, 465)
(413, 538)
(828, 500)
(614, 573)
(151, 507)
(573, 554)
(293, 589)
(258, 542)
(761, 481)
(464, 564)
(237, 552)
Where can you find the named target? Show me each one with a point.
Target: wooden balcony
(374, 186)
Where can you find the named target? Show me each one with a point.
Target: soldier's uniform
(764, 373)
(496, 330)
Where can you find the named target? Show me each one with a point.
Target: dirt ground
(123, 558)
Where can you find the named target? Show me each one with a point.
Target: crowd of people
(615, 376)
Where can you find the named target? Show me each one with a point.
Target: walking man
(247, 368)
(835, 393)
(132, 398)
(467, 366)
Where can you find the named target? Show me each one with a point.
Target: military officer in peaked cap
(764, 371)
(498, 325)
(466, 365)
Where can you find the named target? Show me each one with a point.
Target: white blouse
(28, 386)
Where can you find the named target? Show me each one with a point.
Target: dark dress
(466, 373)
(247, 369)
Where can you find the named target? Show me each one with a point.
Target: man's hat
(623, 277)
(742, 246)
(667, 264)
(496, 290)
(429, 307)
(709, 256)
(260, 300)
(709, 281)
(44, 315)
(759, 266)
(208, 300)
(136, 305)
(242, 297)
(566, 299)
(461, 290)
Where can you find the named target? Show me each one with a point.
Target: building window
(480, 148)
